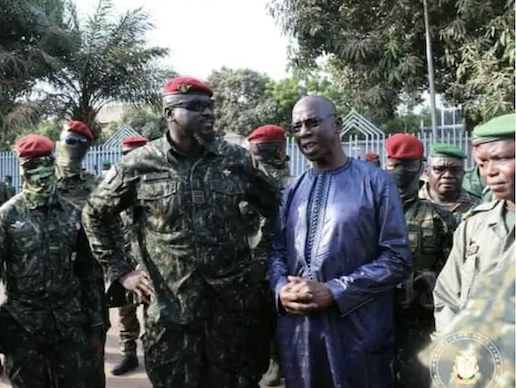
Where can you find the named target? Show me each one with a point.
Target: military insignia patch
(183, 88)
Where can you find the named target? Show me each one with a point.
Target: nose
(304, 130)
(490, 169)
(208, 112)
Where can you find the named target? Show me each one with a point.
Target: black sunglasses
(45, 161)
(194, 105)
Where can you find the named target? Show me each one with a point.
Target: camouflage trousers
(129, 328)
(228, 349)
(413, 328)
(33, 363)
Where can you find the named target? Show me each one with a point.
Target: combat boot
(128, 363)
(273, 376)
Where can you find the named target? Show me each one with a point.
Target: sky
(204, 35)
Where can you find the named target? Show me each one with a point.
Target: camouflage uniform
(489, 312)
(473, 183)
(129, 325)
(465, 201)
(5, 193)
(430, 235)
(76, 189)
(479, 243)
(52, 304)
(205, 325)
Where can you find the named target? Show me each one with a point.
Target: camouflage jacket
(260, 229)
(479, 243)
(5, 193)
(489, 315)
(131, 245)
(190, 227)
(77, 188)
(47, 268)
(430, 232)
(464, 202)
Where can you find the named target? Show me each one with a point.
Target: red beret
(33, 146)
(133, 142)
(79, 128)
(185, 85)
(267, 133)
(404, 146)
(371, 156)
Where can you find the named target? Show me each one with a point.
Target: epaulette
(478, 209)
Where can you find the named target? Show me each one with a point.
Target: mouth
(308, 147)
(496, 186)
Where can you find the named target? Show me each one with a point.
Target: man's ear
(168, 113)
(338, 124)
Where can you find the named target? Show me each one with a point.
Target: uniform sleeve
(102, 222)
(278, 271)
(92, 294)
(3, 251)
(448, 285)
(393, 264)
(262, 193)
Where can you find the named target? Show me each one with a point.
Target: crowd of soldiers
(182, 226)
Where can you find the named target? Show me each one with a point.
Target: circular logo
(465, 359)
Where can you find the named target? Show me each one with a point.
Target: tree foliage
(146, 122)
(110, 62)
(377, 48)
(33, 38)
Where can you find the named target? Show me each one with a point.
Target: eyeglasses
(44, 161)
(309, 123)
(455, 170)
(71, 138)
(194, 105)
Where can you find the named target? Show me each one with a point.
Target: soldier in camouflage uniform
(51, 319)
(75, 184)
(128, 319)
(268, 146)
(430, 234)
(9, 183)
(488, 232)
(206, 324)
(445, 174)
(490, 313)
(5, 193)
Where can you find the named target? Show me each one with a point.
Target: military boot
(273, 376)
(128, 363)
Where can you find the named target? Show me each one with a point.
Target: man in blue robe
(339, 249)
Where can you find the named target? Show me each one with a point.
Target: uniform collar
(212, 147)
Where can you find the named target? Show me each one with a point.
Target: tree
(242, 100)
(146, 122)
(110, 62)
(377, 48)
(33, 38)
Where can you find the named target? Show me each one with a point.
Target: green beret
(501, 127)
(443, 150)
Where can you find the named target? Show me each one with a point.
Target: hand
(97, 345)
(301, 296)
(138, 281)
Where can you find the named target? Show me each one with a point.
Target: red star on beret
(267, 133)
(79, 128)
(133, 142)
(404, 146)
(185, 85)
(371, 156)
(33, 146)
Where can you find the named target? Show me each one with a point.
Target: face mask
(70, 157)
(406, 181)
(39, 184)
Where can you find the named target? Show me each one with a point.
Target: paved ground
(137, 379)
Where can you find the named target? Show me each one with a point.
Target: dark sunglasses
(194, 105)
(31, 164)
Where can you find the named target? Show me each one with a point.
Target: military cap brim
(443, 150)
(499, 128)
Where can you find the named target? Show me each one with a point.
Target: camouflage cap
(499, 128)
(443, 150)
